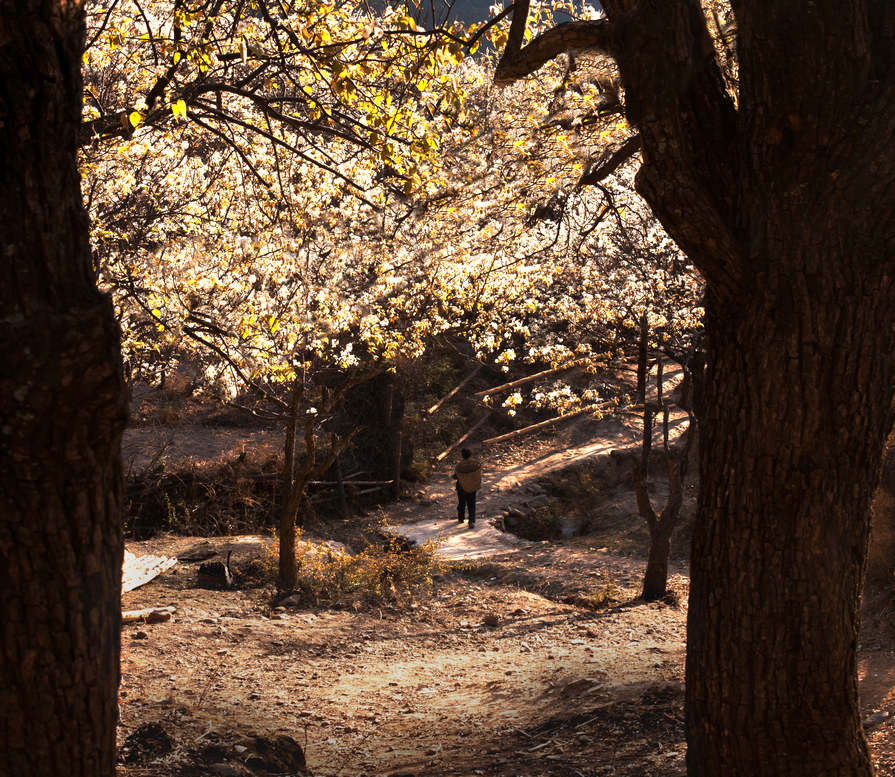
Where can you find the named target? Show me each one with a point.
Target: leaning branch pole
(543, 375)
(437, 406)
(544, 424)
(444, 454)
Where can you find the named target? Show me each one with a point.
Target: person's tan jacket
(469, 475)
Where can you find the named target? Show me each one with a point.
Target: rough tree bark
(783, 199)
(62, 412)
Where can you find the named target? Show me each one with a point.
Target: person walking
(468, 474)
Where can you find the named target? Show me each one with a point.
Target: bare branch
(477, 35)
(518, 62)
(610, 161)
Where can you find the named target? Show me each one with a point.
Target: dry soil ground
(533, 658)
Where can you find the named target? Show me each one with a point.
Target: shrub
(380, 574)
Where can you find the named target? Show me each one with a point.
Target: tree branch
(676, 96)
(610, 161)
(518, 62)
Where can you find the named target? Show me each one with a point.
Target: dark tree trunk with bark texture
(789, 464)
(655, 578)
(62, 411)
(783, 198)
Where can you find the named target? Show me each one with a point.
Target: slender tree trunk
(295, 482)
(655, 579)
(287, 572)
(397, 453)
(62, 412)
(798, 401)
(642, 359)
(661, 526)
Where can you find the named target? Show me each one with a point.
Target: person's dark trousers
(465, 503)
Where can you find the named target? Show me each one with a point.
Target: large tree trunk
(797, 412)
(779, 189)
(62, 412)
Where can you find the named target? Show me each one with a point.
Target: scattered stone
(215, 574)
(213, 754)
(875, 719)
(225, 770)
(278, 755)
(148, 741)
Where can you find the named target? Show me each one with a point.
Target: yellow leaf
(179, 109)
(135, 118)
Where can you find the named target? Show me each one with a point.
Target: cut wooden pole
(351, 482)
(543, 375)
(397, 462)
(340, 479)
(543, 424)
(444, 454)
(437, 406)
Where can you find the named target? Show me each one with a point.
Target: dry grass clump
(389, 573)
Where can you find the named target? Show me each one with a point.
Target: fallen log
(543, 375)
(149, 615)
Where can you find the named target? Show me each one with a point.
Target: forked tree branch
(518, 61)
(676, 97)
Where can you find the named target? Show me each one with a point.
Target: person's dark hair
(466, 453)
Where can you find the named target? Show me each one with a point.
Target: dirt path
(508, 482)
